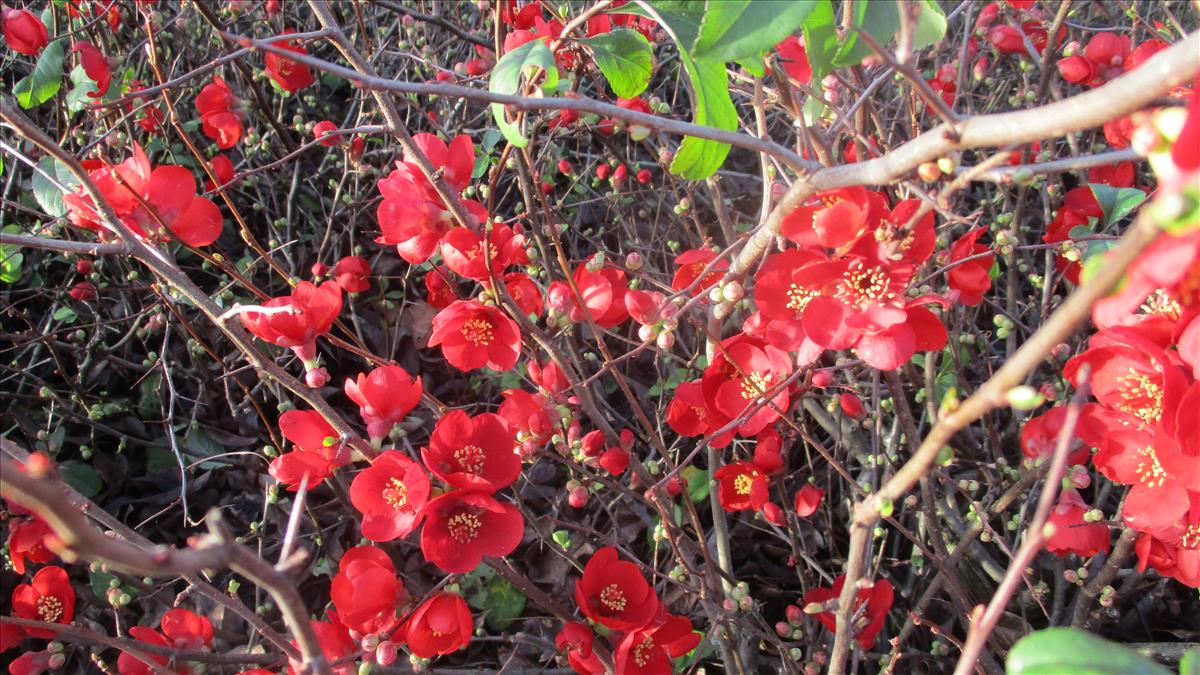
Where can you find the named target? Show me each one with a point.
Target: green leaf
(1116, 202)
(100, 583)
(880, 20)
(65, 314)
(699, 158)
(821, 40)
(11, 259)
(502, 604)
(1069, 650)
(931, 25)
(739, 29)
(625, 58)
(47, 194)
(506, 79)
(697, 483)
(81, 86)
(44, 82)
(562, 538)
(82, 477)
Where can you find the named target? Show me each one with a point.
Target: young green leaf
(1069, 650)
(699, 158)
(506, 79)
(1116, 202)
(880, 20)
(931, 25)
(625, 59)
(48, 195)
(739, 29)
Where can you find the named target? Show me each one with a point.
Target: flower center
(396, 494)
(613, 598)
(798, 298)
(755, 385)
(862, 287)
(1161, 303)
(49, 608)
(463, 527)
(470, 459)
(1191, 538)
(641, 653)
(1142, 397)
(1151, 471)
(478, 332)
(742, 483)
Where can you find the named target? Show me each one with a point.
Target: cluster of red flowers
(613, 594)
(871, 606)
(218, 116)
(156, 203)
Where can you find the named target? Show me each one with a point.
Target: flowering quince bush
(635, 337)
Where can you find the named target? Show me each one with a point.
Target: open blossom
(412, 215)
(740, 486)
(529, 417)
(1131, 376)
(48, 597)
(366, 591)
(391, 494)
(613, 592)
(312, 310)
(335, 645)
(316, 452)
(808, 499)
(95, 66)
(289, 74)
(472, 453)
(463, 527)
(146, 199)
(30, 540)
(603, 294)
(576, 640)
(524, 292)
(440, 625)
(691, 265)
(384, 396)
(687, 413)
(463, 251)
(648, 650)
(878, 599)
(1160, 475)
(473, 335)
(743, 370)
(127, 664)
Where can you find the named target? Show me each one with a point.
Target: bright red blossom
(317, 449)
(970, 278)
(353, 274)
(391, 494)
(384, 396)
(287, 73)
(649, 650)
(613, 592)
(440, 625)
(741, 486)
(366, 591)
(472, 453)
(30, 539)
(463, 527)
(23, 31)
(48, 597)
(473, 335)
(878, 599)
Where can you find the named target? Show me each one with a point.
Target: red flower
(614, 460)
(549, 377)
(613, 592)
(808, 500)
(1186, 152)
(649, 650)
(794, 59)
(1039, 435)
(439, 292)
(472, 453)
(1119, 175)
(529, 417)
(314, 309)
(576, 640)
(878, 600)
(1130, 376)
(463, 527)
(835, 219)
(218, 119)
(390, 494)
(970, 278)
(353, 274)
(741, 486)
(691, 264)
(1158, 472)
(335, 644)
(133, 185)
(473, 335)
(95, 66)
(1167, 273)
(1166, 559)
(742, 371)
(30, 539)
(440, 625)
(222, 168)
(385, 396)
(786, 283)
(412, 215)
(1077, 69)
(48, 598)
(768, 451)
(462, 250)
(321, 129)
(526, 293)
(687, 413)
(1071, 533)
(366, 591)
(34, 663)
(24, 31)
(287, 73)
(891, 240)
(603, 295)
(130, 665)
(317, 451)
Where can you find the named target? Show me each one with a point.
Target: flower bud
(665, 340)
(633, 261)
(578, 497)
